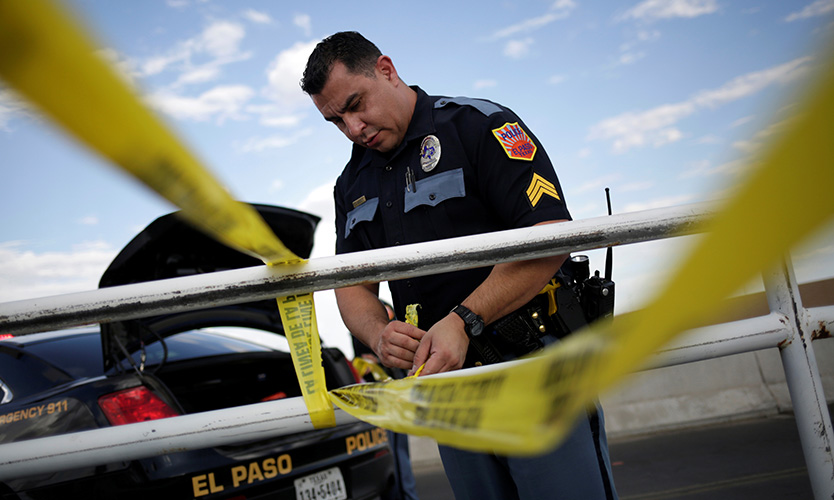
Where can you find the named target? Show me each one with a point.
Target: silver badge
(429, 153)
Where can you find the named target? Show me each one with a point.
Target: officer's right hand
(443, 347)
(397, 343)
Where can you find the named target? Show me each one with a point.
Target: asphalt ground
(753, 459)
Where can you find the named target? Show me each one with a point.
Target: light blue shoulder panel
(485, 107)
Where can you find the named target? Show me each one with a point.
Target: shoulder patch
(515, 141)
(485, 107)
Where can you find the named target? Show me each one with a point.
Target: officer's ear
(385, 66)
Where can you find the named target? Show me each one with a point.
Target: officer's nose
(355, 126)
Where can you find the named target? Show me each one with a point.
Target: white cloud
(11, 106)
(556, 79)
(705, 168)
(26, 274)
(669, 201)
(648, 36)
(597, 183)
(741, 121)
(199, 74)
(220, 103)
(284, 74)
(639, 129)
(90, 220)
(274, 116)
(709, 139)
(527, 25)
(763, 137)
(818, 8)
(751, 83)
(199, 59)
(123, 66)
(651, 10)
(158, 64)
(221, 39)
(303, 21)
(484, 84)
(656, 126)
(257, 17)
(630, 58)
(563, 5)
(559, 10)
(516, 49)
(276, 185)
(696, 169)
(641, 37)
(629, 52)
(277, 141)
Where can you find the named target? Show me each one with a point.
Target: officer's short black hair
(357, 53)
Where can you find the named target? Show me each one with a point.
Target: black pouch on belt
(548, 317)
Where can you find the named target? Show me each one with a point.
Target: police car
(132, 371)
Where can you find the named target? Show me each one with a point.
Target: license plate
(325, 485)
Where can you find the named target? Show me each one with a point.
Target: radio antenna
(609, 253)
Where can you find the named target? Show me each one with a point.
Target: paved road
(757, 459)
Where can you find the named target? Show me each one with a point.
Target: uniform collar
(421, 125)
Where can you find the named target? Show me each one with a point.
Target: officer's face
(372, 112)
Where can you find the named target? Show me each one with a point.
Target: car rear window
(194, 344)
(78, 355)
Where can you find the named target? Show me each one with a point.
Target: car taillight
(355, 373)
(275, 397)
(134, 405)
(4, 336)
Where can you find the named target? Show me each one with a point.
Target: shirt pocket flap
(436, 189)
(363, 213)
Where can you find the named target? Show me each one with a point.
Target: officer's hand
(443, 347)
(397, 343)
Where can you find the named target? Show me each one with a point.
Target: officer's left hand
(443, 347)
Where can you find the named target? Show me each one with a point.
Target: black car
(76, 380)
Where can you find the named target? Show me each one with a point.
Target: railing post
(803, 378)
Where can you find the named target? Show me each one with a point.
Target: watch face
(476, 327)
(474, 324)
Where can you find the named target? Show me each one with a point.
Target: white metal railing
(789, 327)
(262, 282)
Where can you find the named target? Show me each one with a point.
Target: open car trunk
(168, 248)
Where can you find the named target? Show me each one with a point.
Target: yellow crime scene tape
(47, 58)
(523, 408)
(366, 367)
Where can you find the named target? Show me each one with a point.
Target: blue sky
(663, 101)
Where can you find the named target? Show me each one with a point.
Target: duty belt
(548, 317)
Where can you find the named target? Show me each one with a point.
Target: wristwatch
(473, 324)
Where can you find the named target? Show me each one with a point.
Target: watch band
(473, 324)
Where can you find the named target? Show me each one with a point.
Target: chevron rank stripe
(539, 186)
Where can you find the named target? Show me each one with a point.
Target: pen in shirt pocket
(410, 184)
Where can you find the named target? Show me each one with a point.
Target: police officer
(425, 168)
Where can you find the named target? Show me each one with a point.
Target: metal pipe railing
(804, 384)
(157, 437)
(263, 282)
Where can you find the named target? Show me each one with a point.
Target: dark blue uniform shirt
(465, 166)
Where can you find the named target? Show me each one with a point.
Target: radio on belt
(596, 293)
